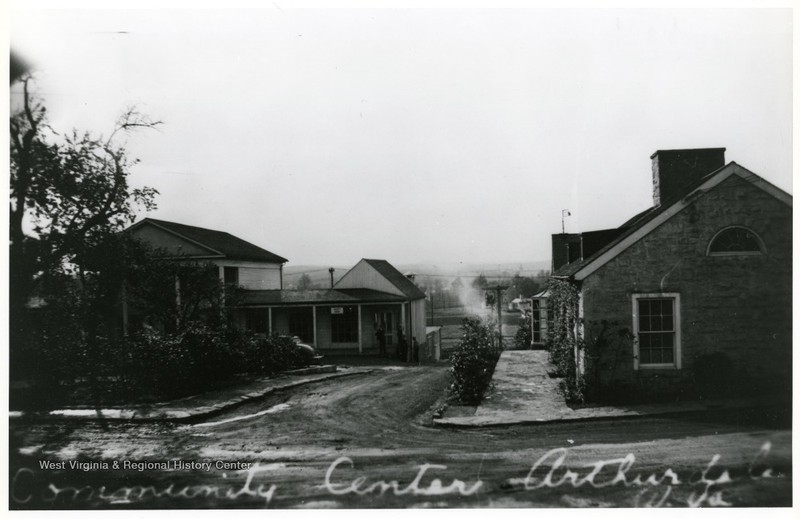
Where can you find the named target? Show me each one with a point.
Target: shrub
(158, 365)
(473, 362)
(523, 337)
(55, 356)
(63, 367)
(166, 365)
(273, 354)
(573, 388)
(608, 348)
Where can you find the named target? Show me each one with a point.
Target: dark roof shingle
(228, 244)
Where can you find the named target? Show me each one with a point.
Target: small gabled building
(370, 296)
(701, 283)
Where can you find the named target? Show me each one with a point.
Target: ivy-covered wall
(563, 337)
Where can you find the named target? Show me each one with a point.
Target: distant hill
(469, 270)
(319, 274)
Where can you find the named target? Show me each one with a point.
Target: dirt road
(366, 441)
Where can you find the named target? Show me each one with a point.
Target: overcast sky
(439, 136)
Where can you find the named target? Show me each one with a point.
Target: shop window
(344, 324)
(301, 324)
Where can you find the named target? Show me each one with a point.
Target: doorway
(387, 320)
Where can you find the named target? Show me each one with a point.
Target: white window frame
(676, 297)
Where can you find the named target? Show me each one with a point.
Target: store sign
(337, 310)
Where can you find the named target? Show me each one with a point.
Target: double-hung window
(657, 328)
(231, 275)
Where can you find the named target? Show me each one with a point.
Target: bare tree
(70, 194)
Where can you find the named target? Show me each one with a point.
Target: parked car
(309, 352)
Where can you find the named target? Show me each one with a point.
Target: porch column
(403, 317)
(314, 321)
(410, 334)
(360, 345)
(269, 313)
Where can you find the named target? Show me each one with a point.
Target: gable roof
(396, 278)
(220, 242)
(646, 221)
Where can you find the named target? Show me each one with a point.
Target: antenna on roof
(564, 214)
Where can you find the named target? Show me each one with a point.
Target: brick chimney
(566, 249)
(675, 170)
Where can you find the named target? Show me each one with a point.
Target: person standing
(380, 334)
(401, 344)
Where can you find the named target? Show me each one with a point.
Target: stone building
(692, 296)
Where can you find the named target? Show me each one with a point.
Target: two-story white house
(239, 262)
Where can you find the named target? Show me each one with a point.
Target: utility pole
(433, 293)
(499, 289)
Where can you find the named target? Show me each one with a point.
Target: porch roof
(327, 296)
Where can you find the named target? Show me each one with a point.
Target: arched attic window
(735, 241)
